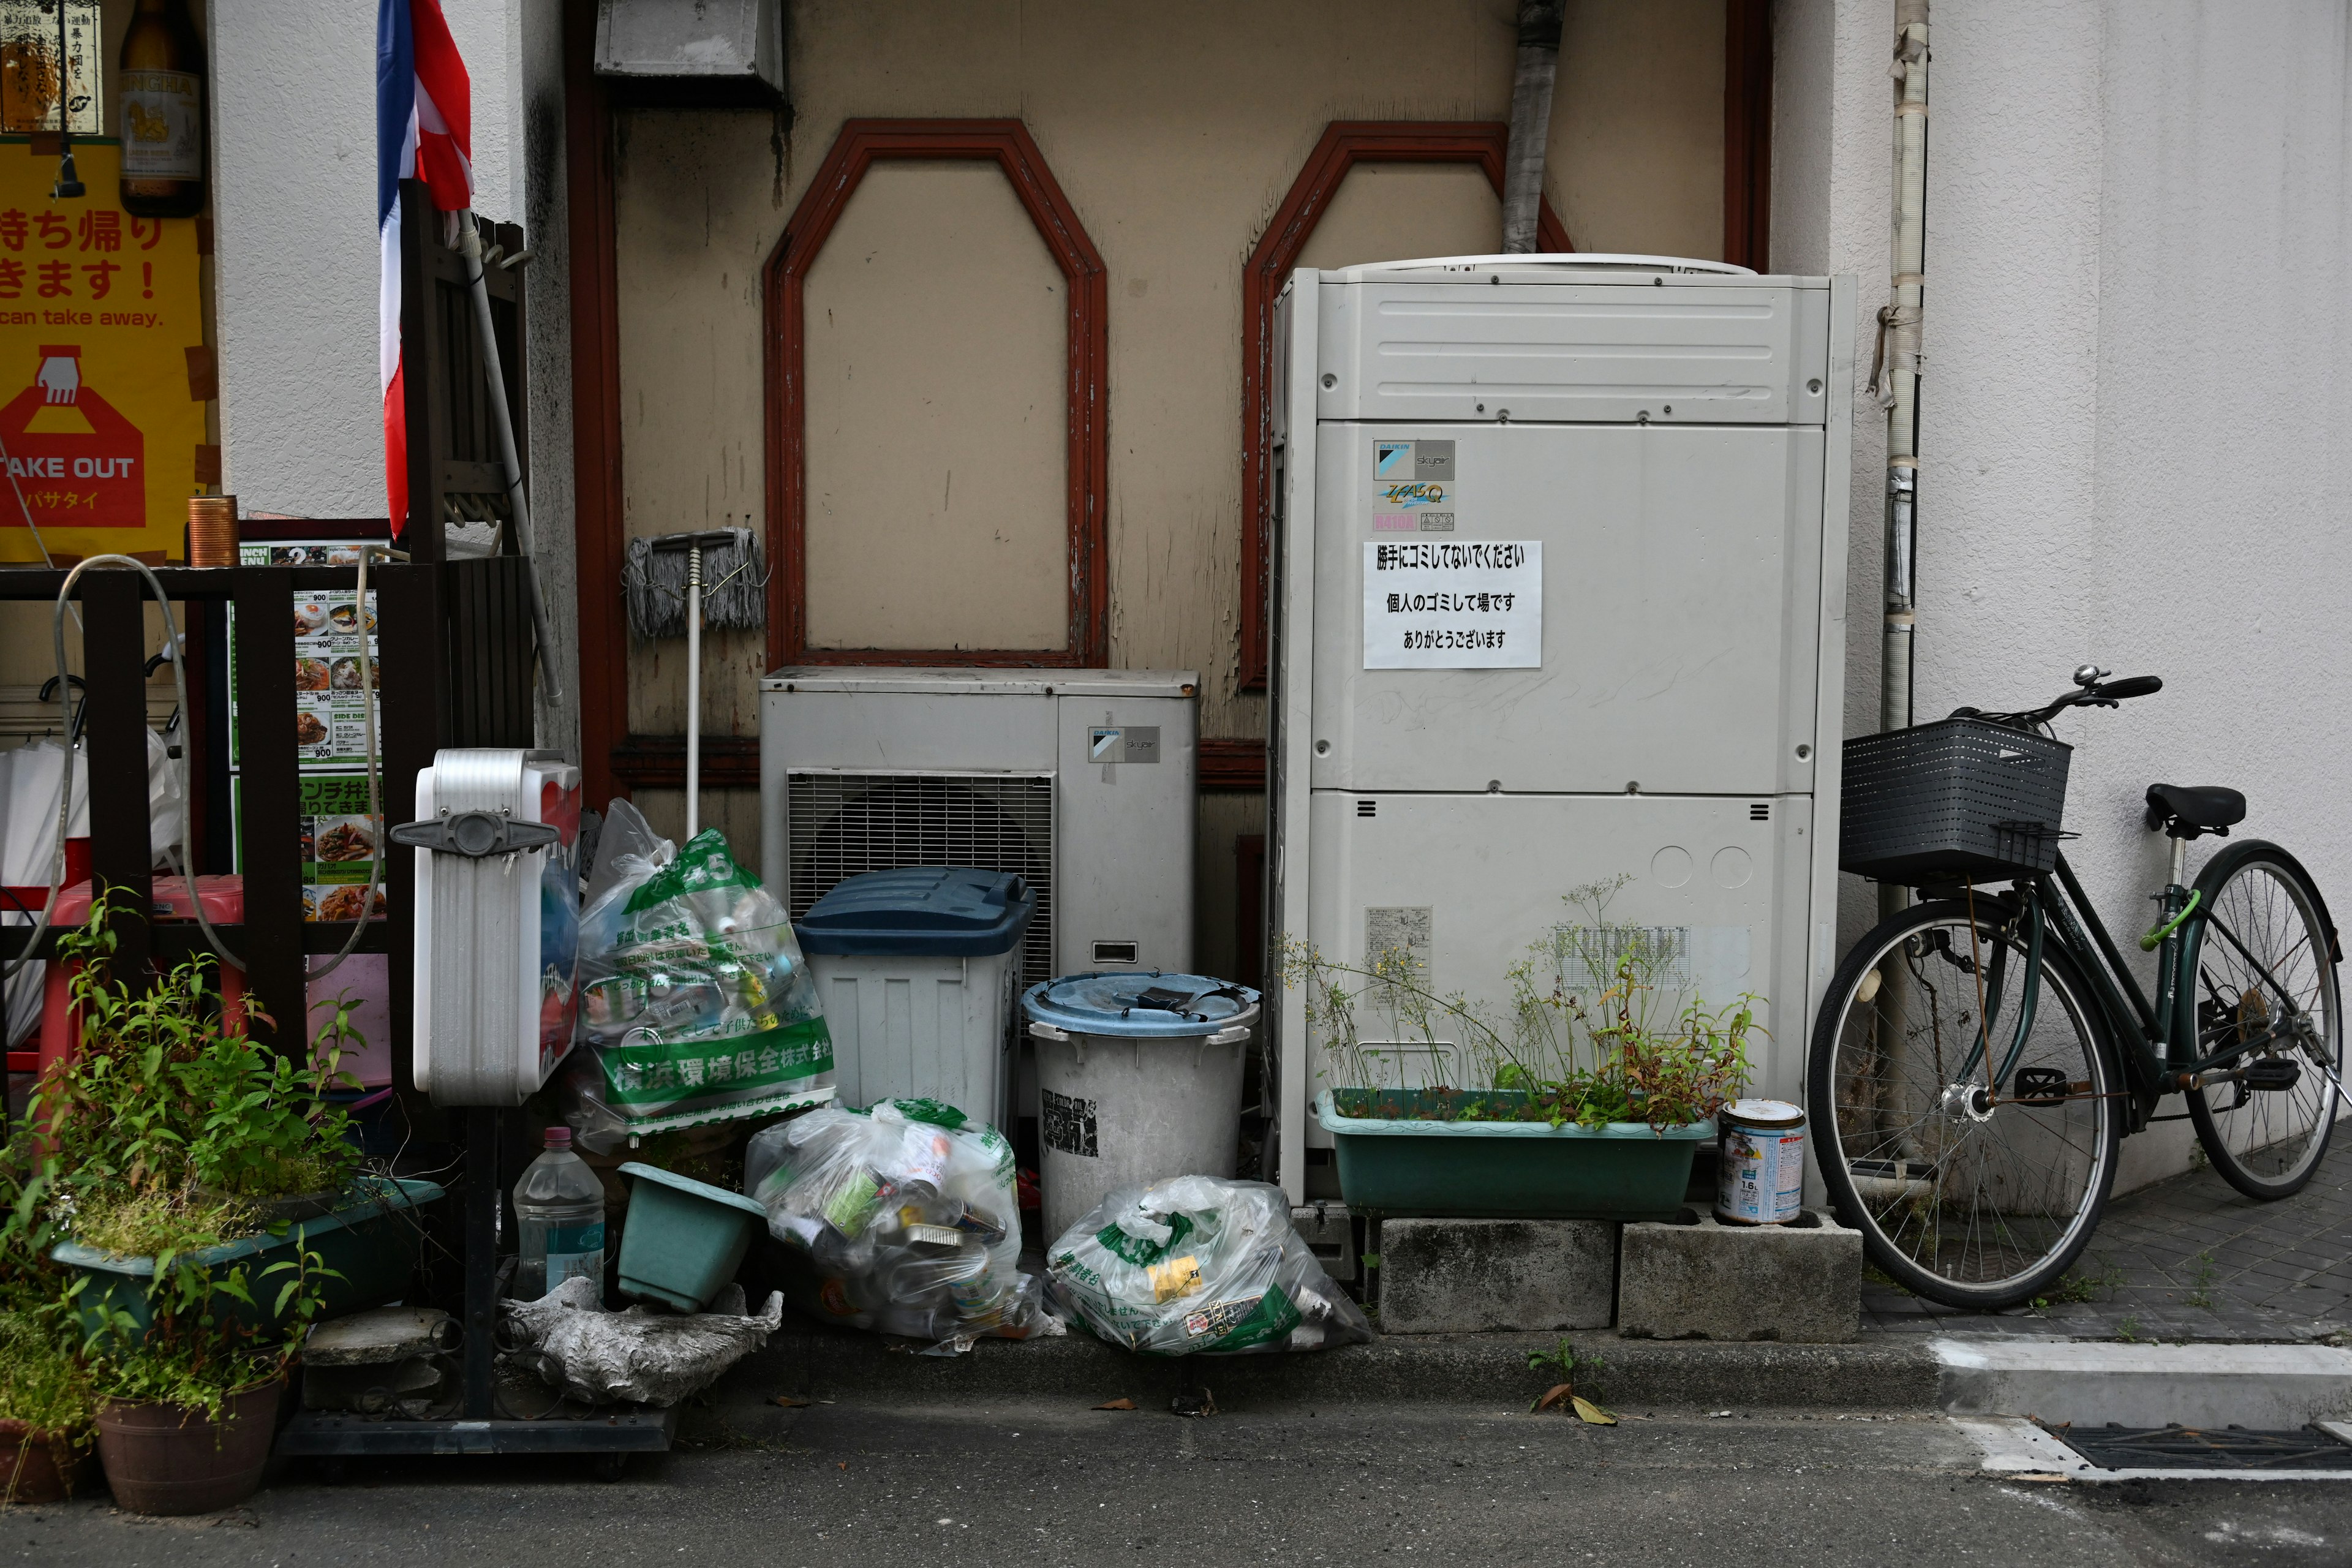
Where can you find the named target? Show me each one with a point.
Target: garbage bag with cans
(1197, 1265)
(902, 1218)
(694, 997)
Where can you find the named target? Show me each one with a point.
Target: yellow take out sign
(98, 310)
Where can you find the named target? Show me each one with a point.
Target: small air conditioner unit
(1082, 781)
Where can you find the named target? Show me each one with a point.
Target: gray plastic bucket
(1133, 1094)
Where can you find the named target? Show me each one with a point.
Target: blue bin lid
(1138, 1003)
(941, 911)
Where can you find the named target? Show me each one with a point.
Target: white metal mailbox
(1559, 597)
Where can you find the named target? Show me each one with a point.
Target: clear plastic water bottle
(560, 1209)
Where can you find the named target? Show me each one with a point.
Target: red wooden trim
(1345, 143)
(1237, 765)
(596, 492)
(658, 762)
(1747, 133)
(1006, 143)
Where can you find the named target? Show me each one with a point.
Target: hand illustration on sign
(60, 375)
(93, 477)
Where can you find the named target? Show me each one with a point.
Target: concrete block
(1693, 1278)
(1470, 1275)
(1329, 1232)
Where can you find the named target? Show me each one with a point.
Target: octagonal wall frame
(1007, 144)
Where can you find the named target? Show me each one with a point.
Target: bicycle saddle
(2185, 811)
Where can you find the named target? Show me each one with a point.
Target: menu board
(329, 711)
(339, 841)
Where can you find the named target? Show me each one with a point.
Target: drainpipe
(1894, 371)
(1531, 83)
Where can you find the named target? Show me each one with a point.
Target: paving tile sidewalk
(2188, 1258)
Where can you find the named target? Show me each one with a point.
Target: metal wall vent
(1760, 811)
(1368, 808)
(842, 825)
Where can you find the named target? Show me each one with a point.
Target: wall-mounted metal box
(692, 53)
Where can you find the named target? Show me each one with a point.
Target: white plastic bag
(1196, 1265)
(905, 1219)
(694, 999)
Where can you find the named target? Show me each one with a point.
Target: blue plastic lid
(1148, 1004)
(941, 912)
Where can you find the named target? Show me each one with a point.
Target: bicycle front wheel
(2263, 964)
(1976, 1176)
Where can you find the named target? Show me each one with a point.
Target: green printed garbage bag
(1195, 1264)
(694, 997)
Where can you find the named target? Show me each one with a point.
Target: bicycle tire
(2079, 1141)
(2252, 1138)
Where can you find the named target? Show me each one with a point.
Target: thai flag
(424, 130)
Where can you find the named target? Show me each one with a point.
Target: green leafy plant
(2208, 1272)
(1563, 1361)
(1591, 1035)
(41, 1382)
(2128, 1330)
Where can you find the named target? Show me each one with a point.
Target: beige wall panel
(1398, 212)
(1634, 161)
(938, 425)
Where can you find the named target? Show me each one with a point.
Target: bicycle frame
(2157, 1041)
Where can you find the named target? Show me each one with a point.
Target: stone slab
(382, 1335)
(1480, 1276)
(1799, 1283)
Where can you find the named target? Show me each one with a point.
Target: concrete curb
(1448, 1369)
(2277, 1387)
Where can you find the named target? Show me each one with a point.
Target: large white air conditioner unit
(1082, 781)
(1558, 604)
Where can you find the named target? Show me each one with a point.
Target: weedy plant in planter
(47, 1405)
(203, 1191)
(1585, 1098)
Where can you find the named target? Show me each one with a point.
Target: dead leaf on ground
(1593, 1414)
(1552, 1396)
(1115, 1404)
(791, 1401)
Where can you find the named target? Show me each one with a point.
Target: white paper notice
(1431, 603)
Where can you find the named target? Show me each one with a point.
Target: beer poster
(98, 310)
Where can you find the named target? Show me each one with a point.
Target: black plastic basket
(1959, 798)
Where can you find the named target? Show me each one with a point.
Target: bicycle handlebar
(2091, 691)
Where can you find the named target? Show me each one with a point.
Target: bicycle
(1979, 1057)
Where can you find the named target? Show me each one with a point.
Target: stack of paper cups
(212, 531)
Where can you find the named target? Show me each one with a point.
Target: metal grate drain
(2114, 1448)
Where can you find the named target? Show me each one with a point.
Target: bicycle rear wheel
(1967, 1192)
(2266, 1142)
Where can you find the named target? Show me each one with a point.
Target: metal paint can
(1759, 1161)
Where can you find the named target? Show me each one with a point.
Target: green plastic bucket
(1400, 1165)
(683, 1240)
(371, 1239)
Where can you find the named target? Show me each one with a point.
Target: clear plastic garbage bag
(901, 1218)
(694, 997)
(1195, 1264)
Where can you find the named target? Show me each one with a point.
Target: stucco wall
(1175, 137)
(294, 204)
(2136, 215)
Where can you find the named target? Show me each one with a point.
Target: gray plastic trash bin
(1140, 1078)
(917, 968)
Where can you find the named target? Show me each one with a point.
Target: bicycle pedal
(2039, 1086)
(2273, 1074)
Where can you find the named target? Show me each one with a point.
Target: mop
(678, 582)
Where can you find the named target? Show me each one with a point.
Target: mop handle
(693, 689)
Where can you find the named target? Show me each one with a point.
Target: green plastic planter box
(684, 1239)
(371, 1240)
(1403, 1166)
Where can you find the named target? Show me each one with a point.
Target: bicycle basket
(1959, 797)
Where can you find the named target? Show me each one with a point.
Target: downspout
(1894, 371)
(1531, 84)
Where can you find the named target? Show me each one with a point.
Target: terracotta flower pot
(41, 1466)
(167, 1459)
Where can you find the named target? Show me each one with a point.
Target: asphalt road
(849, 1486)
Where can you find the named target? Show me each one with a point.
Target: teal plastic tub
(1401, 1166)
(683, 1240)
(373, 1239)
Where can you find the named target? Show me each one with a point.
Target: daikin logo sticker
(1391, 459)
(1412, 487)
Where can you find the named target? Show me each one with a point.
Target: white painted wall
(294, 205)
(2131, 447)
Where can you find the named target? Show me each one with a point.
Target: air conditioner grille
(842, 825)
